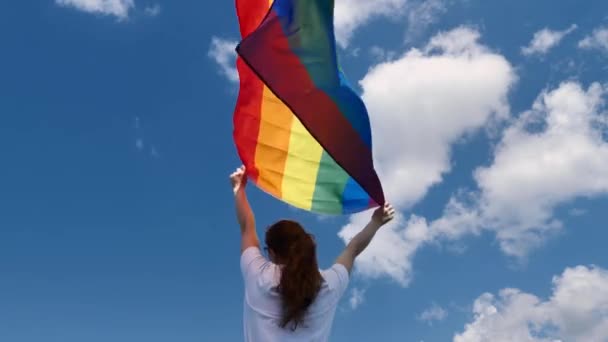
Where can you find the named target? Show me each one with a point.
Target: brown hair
(300, 280)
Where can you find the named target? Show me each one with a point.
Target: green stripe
(330, 184)
(313, 40)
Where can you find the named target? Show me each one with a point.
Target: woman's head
(290, 246)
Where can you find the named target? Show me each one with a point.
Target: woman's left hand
(238, 179)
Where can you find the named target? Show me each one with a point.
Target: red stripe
(246, 119)
(250, 14)
(268, 51)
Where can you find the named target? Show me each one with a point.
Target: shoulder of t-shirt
(341, 269)
(249, 256)
(337, 276)
(251, 250)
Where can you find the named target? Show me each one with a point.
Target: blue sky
(116, 218)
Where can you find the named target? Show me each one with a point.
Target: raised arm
(380, 217)
(244, 214)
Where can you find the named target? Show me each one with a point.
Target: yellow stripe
(302, 167)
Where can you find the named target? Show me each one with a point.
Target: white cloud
(153, 10)
(552, 154)
(545, 39)
(356, 298)
(117, 8)
(421, 15)
(597, 40)
(223, 53)
(424, 101)
(433, 313)
(352, 14)
(576, 311)
(549, 156)
(420, 104)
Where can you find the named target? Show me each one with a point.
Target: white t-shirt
(262, 305)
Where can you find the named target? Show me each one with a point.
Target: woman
(287, 298)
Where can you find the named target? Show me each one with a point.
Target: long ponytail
(300, 277)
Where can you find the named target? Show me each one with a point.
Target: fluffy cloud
(597, 40)
(552, 154)
(544, 40)
(352, 14)
(576, 311)
(117, 8)
(223, 53)
(421, 15)
(433, 313)
(420, 104)
(424, 101)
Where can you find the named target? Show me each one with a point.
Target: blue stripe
(354, 198)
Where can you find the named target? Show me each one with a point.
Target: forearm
(244, 213)
(363, 238)
(358, 243)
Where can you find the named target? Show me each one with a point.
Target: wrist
(240, 191)
(376, 223)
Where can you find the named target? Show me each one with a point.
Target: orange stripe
(273, 143)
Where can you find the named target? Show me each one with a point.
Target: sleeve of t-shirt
(252, 261)
(338, 278)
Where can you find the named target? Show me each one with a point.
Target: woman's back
(263, 307)
(290, 291)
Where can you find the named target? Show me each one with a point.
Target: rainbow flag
(301, 131)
